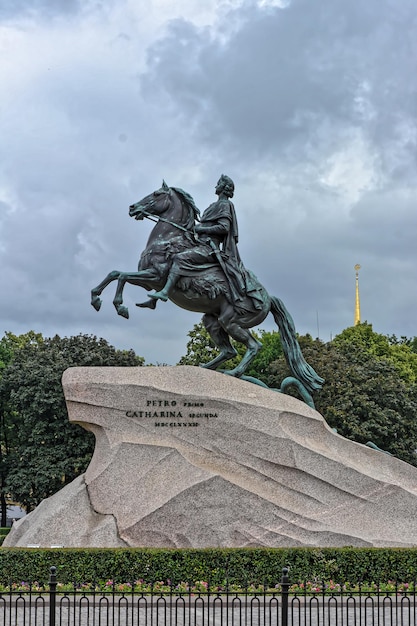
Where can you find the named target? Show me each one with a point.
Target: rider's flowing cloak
(242, 283)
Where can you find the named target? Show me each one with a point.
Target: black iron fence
(282, 605)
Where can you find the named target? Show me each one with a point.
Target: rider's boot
(167, 288)
(149, 304)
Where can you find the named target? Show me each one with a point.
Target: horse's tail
(299, 367)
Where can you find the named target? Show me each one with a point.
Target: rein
(150, 216)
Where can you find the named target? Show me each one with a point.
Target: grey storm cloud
(284, 73)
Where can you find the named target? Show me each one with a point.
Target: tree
(399, 352)
(201, 349)
(48, 451)
(9, 344)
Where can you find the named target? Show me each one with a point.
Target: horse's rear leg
(96, 292)
(232, 328)
(221, 340)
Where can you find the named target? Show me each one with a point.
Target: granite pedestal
(187, 457)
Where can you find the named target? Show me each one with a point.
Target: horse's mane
(189, 202)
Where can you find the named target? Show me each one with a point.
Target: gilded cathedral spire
(357, 300)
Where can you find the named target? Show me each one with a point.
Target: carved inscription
(162, 410)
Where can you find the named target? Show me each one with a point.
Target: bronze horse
(175, 214)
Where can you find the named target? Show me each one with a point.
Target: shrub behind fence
(238, 565)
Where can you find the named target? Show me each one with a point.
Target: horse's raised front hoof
(123, 311)
(149, 304)
(96, 303)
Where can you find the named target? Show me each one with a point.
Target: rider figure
(216, 244)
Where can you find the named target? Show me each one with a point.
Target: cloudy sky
(309, 105)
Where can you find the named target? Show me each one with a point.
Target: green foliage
(271, 350)
(215, 565)
(10, 343)
(361, 340)
(201, 349)
(41, 450)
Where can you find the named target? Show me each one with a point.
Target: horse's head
(155, 204)
(176, 202)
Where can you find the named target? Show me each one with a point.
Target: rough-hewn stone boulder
(190, 457)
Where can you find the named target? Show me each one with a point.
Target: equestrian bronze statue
(194, 262)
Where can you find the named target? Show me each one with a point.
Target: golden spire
(357, 301)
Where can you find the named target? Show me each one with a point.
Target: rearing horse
(175, 214)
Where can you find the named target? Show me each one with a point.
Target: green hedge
(239, 566)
